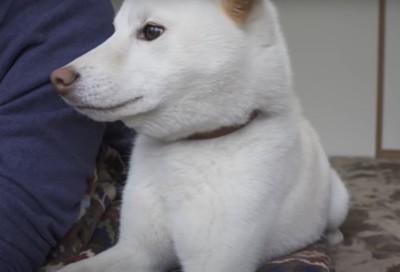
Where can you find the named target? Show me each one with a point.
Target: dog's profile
(226, 172)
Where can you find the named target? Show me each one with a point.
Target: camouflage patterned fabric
(96, 228)
(372, 230)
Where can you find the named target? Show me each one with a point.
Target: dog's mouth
(107, 108)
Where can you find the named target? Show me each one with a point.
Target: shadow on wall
(116, 4)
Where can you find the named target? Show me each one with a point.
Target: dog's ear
(238, 10)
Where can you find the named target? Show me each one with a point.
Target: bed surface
(372, 229)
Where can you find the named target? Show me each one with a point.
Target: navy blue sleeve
(47, 150)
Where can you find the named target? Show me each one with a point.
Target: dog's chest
(233, 167)
(188, 167)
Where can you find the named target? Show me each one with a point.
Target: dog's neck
(223, 131)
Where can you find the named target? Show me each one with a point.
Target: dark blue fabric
(47, 150)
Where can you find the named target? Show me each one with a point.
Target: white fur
(224, 204)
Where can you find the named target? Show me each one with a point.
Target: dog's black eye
(151, 32)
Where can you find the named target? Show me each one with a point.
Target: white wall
(333, 45)
(391, 120)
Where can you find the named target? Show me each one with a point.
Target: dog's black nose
(63, 79)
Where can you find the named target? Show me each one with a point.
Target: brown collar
(223, 130)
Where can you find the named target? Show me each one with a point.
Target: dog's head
(173, 68)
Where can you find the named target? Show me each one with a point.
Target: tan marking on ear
(238, 10)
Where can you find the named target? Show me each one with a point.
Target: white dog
(226, 172)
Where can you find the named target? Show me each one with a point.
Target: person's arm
(47, 150)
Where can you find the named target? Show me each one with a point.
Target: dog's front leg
(143, 245)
